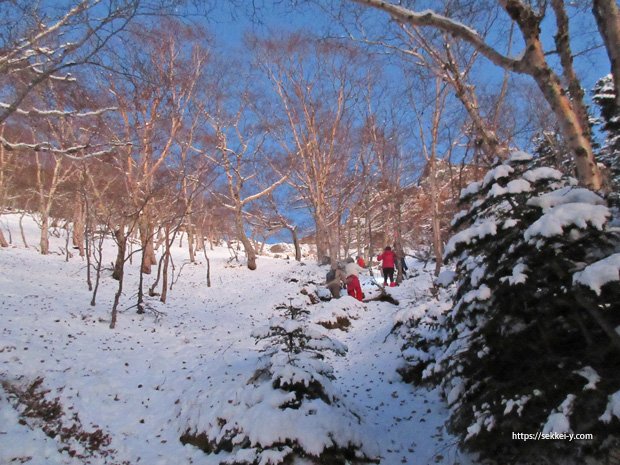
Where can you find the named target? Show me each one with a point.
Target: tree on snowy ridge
(530, 342)
(289, 412)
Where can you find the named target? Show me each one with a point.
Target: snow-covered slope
(134, 383)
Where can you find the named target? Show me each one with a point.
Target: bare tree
(533, 62)
(37, 50)
(317, 84)
(429, 150)
(154, 107)
(238, 160)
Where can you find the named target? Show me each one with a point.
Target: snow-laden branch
(68, 152)
(30, 43)
(38, 112)
(265, 191)
(451, 26)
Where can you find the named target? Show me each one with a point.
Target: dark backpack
(331, 275)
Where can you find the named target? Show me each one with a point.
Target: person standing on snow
(335, 278)
(388, 259)
(352, 271)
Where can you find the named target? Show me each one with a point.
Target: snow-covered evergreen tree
(530, 344)
(289, 411)
(604, 97)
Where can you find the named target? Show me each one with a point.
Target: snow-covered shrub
(289, 411)
(337, 313)
(529, 344)
(423, 328)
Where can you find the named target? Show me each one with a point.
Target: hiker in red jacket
(354, 288)
(388, 257)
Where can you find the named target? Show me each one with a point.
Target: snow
(599, 273)
(612, 409)
(518, 275)
(149, 380)
(328, 313)
(518, 155)
(458, 216)
(482, 293)
(566, 195)
(543, 172)
(499, 172)
(471, 189)
(518, 403)
(591, 375)
(445, 278)
(558, 421)
(516, 186)
(553, 222)
(474, 232)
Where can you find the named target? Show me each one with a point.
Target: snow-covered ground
(140, 382)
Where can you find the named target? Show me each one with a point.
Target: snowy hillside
(135, 390)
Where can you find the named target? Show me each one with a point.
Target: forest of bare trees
(131, 119)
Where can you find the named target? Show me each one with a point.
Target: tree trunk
(535, 64)
(140, 297)
(190, 240)
(562, 45)
(570, 123)
(21, 229)
(320, 239)
(200, 240)
(247, 245)
(204, 250)
(371, 250)
(117, 296)
(78, 225)
(68, 254)
(296, 244)
(121, 244)
(608, 21)
(99, 260)
(44, 241)
(435, 223)
(88, 244)
(164, 283)
(146, 239)
(3, 242)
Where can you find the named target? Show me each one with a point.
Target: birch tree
(430, 151)
(154, 105)
(240, 152)
(317, 83)
(44, 44)
(532, 61)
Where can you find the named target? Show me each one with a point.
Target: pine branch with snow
(529, 343)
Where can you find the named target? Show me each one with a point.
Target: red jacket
(360, 262)
(388, 257)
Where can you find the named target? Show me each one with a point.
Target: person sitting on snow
(352, 271)
(389, 259)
